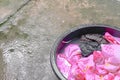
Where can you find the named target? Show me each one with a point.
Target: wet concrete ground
(28, 31)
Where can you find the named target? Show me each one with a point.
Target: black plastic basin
(72, 35)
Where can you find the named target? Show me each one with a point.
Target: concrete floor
(28, 29)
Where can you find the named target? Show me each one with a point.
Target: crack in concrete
(8, 18)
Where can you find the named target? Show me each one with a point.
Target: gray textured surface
(9, 8)
(26, 38)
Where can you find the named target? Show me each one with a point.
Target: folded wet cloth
(91, 42)
(103, 64)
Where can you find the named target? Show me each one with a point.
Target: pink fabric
(117, 78)
(100, 70)
(101, 65)
(109, 76)
(66, 60)
(98, 57)
(112, 39)
(63, 64)
(112, 52)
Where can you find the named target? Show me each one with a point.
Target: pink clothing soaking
(101, 65)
